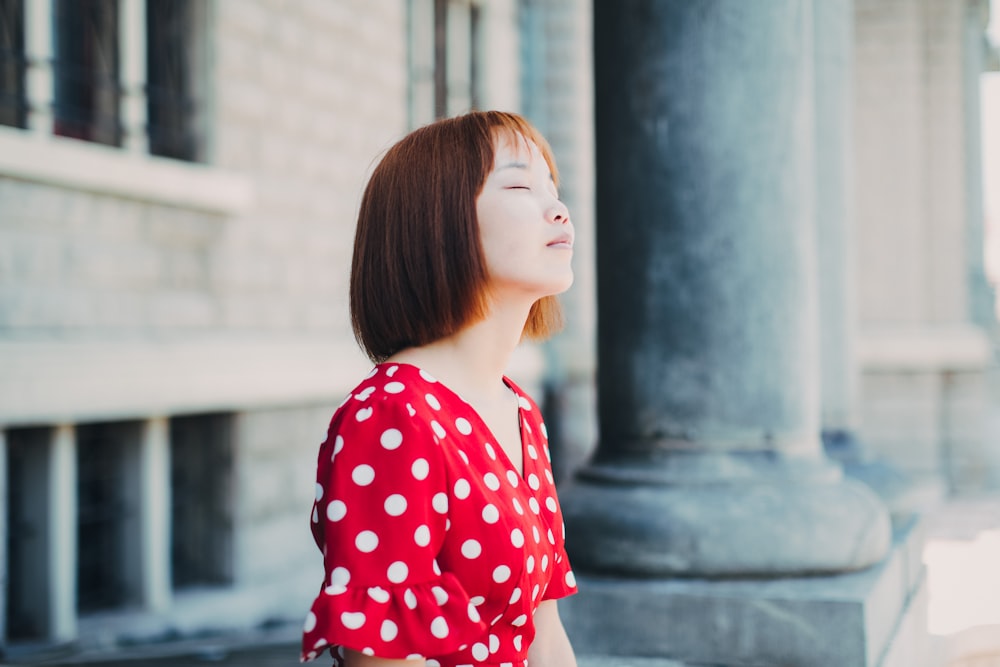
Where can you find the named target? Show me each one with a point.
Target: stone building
(178, 185)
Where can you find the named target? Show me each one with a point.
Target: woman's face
(526, 233)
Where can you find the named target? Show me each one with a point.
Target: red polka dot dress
(434, 546)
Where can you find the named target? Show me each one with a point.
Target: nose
(558, 213)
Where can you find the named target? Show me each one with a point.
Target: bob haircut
(419, 273)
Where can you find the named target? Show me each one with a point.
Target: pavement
(962, 555)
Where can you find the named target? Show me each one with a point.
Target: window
(108, 515)
(173, 63)
(445, 58)
(85, 71)
(27, 533)
(201, 511)
(124, 73)
(13, 106)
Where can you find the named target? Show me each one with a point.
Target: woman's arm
(551, 647)
(356, 659)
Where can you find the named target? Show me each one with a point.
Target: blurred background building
(178, 186)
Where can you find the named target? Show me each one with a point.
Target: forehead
(511, 146)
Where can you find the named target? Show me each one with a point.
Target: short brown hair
(418, 272)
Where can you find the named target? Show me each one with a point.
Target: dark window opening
(27, 610)
(85, 70)
(107, 503)
(201, 461)
(172, 107)
(13, 65)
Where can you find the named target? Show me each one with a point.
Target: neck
(472, 361)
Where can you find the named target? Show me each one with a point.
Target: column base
(874, 618)
(903, 493)
(718, 515)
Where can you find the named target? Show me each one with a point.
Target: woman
(435, 506)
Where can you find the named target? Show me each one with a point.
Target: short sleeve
(380, 517)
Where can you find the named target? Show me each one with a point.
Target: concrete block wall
(307, 96)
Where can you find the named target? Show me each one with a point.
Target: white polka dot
(391, 371)
(532, 452)
(436, 567)
(491, 514)
(517, 642)
(501, 574)
(439, 627)
(527, 427)
(463, 426)
(363, 475)
(320, 643)
(422, 536)
(550, 503)
(570, 579)
(410, 599)
(366, 541)
(490, 451)
(545, 431)
(438, 429)
(533, 504)
(534, 593)
(462, 489)
(440, 503)
(523, 402)
(336, 510)
(520, 620)
(431, 662)
(310, 624)
(420, 469)
(473, 613)
(552, 538)
(378, 594)
(548, 476)
(389, 631)
(315, 515)
(319, 492)
(512, 478)
(363, 414)
(471, 549)
(340, 576)
(480, 651)
(530, 564)
(515, 595)
(352, 620)
(535, 534)
(491, 481)
(440, 595)
(372, 373)
(494, 643)
(391, 438)
(545, 563)
(548, 454)
(397, 572)
(395, 505)
(464, 457)
(409, 409)
(533, 481)
(338, 445)
(427, 376)
(517, 506)
(395, 387)
(477, 600)
(364, 394)
(517, 538)
(432, 401)
(368, 650)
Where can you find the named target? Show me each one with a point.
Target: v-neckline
(506, 460)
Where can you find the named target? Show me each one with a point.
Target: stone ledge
(849, 619)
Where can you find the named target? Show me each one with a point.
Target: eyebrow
(520, 165)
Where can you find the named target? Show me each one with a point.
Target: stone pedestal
(874, 618)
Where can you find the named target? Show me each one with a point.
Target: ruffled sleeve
(380, 518)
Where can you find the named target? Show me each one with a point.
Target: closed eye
(518, 187)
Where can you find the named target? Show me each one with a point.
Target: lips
(564, 241)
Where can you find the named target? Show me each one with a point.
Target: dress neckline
(508, 463)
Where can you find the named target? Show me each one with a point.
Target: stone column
(839, 367)
(62, 534)
(709, 462)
